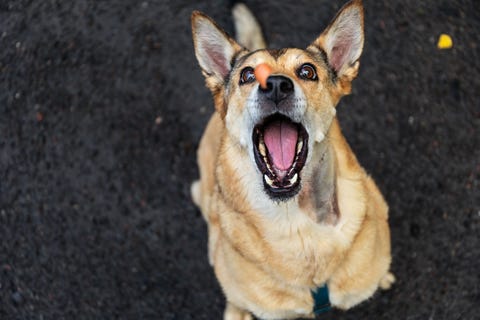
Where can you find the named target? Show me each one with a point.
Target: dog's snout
(278, 88)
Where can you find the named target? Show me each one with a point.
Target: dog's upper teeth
(299, 145)
(262, 149)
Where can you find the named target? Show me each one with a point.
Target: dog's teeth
(299, 146)
(294, 179)
(268, 180)
(292, 167)
(333, 111)
(268, 164)
(261, 148)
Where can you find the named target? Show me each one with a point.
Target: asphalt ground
(102, 105)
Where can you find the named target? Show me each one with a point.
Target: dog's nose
(278, 88)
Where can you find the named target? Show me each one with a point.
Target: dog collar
(321, 300)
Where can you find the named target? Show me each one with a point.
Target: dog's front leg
(232, 312)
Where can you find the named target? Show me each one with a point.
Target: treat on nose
(262, 72)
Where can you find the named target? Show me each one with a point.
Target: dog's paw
(234, 313)
(387, 281)
(195, 192)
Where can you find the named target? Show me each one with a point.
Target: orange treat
(262, 72)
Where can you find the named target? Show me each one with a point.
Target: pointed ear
(213, 47)
(343, 39)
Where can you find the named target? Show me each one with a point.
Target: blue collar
(321, 300)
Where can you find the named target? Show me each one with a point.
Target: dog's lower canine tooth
(294, 179)
(268, 180)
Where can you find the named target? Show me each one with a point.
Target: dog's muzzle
(280, 144)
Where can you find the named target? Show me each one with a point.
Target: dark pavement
(102, 105)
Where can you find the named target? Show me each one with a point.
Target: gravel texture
(102, 105)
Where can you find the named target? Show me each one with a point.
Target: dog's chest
(300, 246)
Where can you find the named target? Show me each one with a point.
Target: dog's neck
(317, 197)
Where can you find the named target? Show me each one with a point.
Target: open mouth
(280, 148)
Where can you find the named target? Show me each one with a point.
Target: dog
(295, 224)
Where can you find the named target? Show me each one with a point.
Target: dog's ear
(214, 49)
(342, 42)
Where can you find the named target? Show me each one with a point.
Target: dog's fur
(269, 252)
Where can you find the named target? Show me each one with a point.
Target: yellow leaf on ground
(444, 42)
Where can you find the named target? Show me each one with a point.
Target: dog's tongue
(281, 139)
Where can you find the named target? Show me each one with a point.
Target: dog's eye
(247, 75)
(307, 72)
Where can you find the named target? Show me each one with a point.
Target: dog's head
(280, 125)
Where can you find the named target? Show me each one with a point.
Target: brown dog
(294, 221)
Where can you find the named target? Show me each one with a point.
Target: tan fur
(249, 33)
(268, 255)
